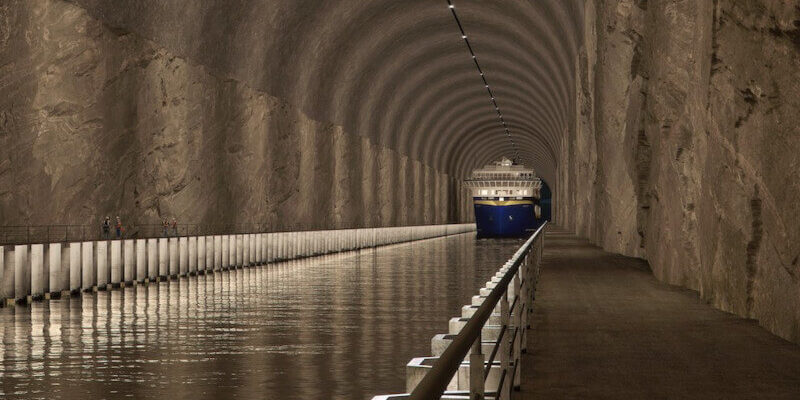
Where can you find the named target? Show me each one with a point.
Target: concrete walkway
(605, 328)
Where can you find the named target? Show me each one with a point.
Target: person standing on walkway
(119, 228)
(174, 227)
(165, 227)
(107, 228)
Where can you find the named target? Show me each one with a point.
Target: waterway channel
(333, 327)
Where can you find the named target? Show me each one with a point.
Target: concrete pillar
(6, 276)
(239, 250)
(268, 247)
(201, 253)
(88, 273)
(141, 260)
(153, 258)
(183, 257)
(217, 253)
(192, 267)
(129, 261)
(279, 246)
(102, 264)
(55, 275)
(254, 249)
(245, 250)
(259, 248)
(22, 284)
(209, 253)
(173, 257)
(163, 258)
(75, 266)
(116, 262)
(37, 271)
(226, 252)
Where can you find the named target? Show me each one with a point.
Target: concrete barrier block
(129, 260)
(116, 262)
(253, 249)
(88, 272)
(245, 250)
(37, 270)
(3, 274)
(55, 276)
(219, 252)
(66, 270)
(202, 249)
(183, 256)
(153, 258)
(210, 253)
(173, 257)
(163, 258)
(22, 272)
(75, 266)
(141, 260)
(239, 261)
(101, 257)
(226, 252)
(192, 267)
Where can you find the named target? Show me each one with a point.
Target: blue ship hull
(511, 218)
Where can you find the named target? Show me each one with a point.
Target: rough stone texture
(686, 144)
(100, 121)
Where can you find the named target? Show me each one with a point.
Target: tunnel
(665, 135)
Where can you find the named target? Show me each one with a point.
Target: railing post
(520, 329)
(504, 351)
(476, 379)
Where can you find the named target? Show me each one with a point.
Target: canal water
(333, 327)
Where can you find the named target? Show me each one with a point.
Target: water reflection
(333, 327)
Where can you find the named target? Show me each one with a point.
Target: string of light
(483, 77)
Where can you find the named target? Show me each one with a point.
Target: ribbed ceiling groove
(397, 72)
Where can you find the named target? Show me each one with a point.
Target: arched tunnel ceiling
(397, 72)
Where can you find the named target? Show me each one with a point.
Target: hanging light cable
(483, 77)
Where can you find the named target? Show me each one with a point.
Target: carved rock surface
(96, 121)
(686, 146)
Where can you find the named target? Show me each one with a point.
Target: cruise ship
(506, 198)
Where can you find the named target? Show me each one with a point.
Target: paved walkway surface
(605, 328)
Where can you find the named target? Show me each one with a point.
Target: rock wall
(97, 121)
(685, 147)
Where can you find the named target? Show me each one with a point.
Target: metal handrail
(435, 382)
